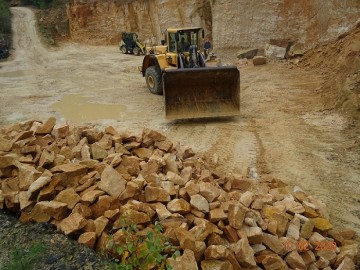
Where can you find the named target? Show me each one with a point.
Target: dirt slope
(339, 62)
(284, 131)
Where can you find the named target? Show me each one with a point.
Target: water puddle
(77, 109)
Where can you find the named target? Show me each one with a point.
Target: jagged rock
(161, 211)
(294, 260)
(88, 239)
(46, 158)
(164, 145)
(104, 203)
(217, 214)
(57, 210)
(186, 239)
(169, 187)
(90, 196)
(73, 223)
(247, 198)
(72, 169)
(98, 152)
(216, 265)
(186, 261)
(61, 131)
(7, 161)
(209, 191)
(112, 182)
(322, 224)
(112, 214)
(47, 127)
(273, 262)
(346, 264)
(254, 234)
(192, 188)
(273, 242)
(236, 215)
(216, 252)
(135, 217)
(244, 253)
(307, 229)
(68, 196)
(294, 229)
(37, 214)
(100, 224)
(274, 52)
(308, 257)
(175, 178)
(83, 210)
(231, 234)
(178, 206)
(170, 163)
(199, 203)
(155, 194)
(38, 184)
(144, 153)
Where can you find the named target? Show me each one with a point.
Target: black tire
(136, 51)
(154, 80)
(123, 49)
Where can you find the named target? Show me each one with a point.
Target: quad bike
(131, 44)
(192, 87)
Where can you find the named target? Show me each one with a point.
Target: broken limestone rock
(112, 182)
(275, 52)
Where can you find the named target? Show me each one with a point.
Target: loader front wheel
(154, 80)
(123, 49)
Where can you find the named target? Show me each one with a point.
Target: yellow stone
(269, 211)
(322, 224)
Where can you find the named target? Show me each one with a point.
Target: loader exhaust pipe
(201, 92)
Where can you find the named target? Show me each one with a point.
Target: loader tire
(123, 49)
(136, 51)
(154, 80)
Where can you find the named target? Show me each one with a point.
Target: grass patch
(24, 259)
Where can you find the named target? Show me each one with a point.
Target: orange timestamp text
(306, 246)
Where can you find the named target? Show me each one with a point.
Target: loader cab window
(172, 42)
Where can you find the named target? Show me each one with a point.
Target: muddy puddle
(78, 109)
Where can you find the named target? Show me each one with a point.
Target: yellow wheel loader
(192, 87)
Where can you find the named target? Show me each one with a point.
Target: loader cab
(182, 42)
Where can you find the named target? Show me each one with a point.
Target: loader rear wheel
(154, 80)
(136, 51)
(123, 49)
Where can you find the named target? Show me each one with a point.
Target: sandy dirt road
(283, 131)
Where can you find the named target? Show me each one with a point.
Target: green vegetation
(142, 251)
(44, 3)
(5, 19)
(24, 259)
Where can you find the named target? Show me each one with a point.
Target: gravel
(39, 246)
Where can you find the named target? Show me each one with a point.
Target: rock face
(216, 221)
(230, 23)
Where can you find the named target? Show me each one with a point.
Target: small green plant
(142, 251)
(22, 259)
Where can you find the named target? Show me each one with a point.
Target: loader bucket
(201, 92)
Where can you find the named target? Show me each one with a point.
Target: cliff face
(230, 23)
(99, 22)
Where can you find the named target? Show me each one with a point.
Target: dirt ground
(284, 130)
